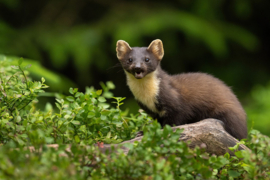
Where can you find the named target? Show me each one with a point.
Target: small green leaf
(77, 139)
(239, 154)
(24, 136)
(45, 86)
(249, 168)
(233, 174)
(94, 101)
(20, 61)
(102, 117)
(70, 98)
(91, 114)
(108, 135)
(75, 90)
(104, 105)
(101, 99)
(78, 94)
(18, 119)
(82, 128)
(42, 80)
(76, 122)
(58, 106)
(166, 131)
(110, 85)
(227, 155)
(99, 92)
(160, 164)
(71, 91)
(59, 100)
(105, 112)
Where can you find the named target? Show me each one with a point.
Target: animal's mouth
(138, 74)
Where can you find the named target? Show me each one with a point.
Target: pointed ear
(156, 47)
(122, 47)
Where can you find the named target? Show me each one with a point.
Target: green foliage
(258, 110)
(257, 164)
(160, 156)
(37, 71)
(16, 91)
(82, 119)
(21, 163)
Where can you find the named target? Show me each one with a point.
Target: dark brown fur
(191, 97)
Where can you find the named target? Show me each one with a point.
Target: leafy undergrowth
(95, 116)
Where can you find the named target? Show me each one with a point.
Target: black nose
(137, 68)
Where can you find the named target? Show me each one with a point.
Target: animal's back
(211, 98)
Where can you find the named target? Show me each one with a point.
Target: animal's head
(140, 61)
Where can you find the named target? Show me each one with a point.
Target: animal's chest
(145, 90)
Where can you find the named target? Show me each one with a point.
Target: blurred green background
(72, 43)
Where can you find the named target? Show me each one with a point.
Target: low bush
(82, 119)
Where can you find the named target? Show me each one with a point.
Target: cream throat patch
(145, 90)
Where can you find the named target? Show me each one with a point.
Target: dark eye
(147, 59)
(130, 60)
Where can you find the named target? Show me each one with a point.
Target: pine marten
(182, 98)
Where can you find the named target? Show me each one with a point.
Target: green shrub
(82, 119)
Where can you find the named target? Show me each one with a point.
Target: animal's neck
(146, 89)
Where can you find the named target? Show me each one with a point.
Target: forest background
(72, 43)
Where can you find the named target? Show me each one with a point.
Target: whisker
(115, 66)
(121, 70)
